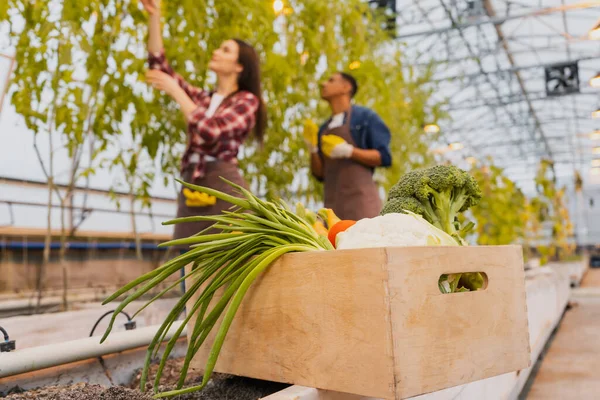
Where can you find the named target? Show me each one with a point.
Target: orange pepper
(337, 228)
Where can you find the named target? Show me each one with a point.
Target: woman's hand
(162, 81)
(151, 6)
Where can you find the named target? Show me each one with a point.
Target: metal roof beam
(501, 20)
(493, 85)
(535, 96)
(554, 48)
(514, 68)
(486, 144)
(479, 127)
(573, 99)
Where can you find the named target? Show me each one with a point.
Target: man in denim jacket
(346, 150)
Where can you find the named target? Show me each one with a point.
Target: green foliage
(312, 40)
(499, 215)
(506, 216)
(91, 57)
(138, 170)
(75, 74)
(554, 213)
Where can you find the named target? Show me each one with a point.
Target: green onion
(251, 236)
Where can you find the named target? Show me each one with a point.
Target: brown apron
(211, 179)
(349, 187)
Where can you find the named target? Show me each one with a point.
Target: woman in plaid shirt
(218, 121)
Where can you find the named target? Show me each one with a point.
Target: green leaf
(65, 54)
(4, 10)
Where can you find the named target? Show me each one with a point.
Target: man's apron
(349, 187)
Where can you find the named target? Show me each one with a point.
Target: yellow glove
(311, 133)
(335, 147)
(197, 199)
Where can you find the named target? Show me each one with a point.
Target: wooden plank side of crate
(317, 319)
(443, 340)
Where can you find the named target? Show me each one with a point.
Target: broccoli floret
(402, 204)
(404, 187)
(442, 192)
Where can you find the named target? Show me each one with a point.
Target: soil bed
(81, 391)
(221, 387)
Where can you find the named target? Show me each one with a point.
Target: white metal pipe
(13, 304)
(36, 358)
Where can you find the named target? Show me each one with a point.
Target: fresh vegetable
(440, 194)
(320, 228)
(313, 219)
(267, 230)
(328, 216)
(471, 281)
(197, 199)
(437, 193)
(408, 229)
(305, 213)
(311, 134)
(337, 228)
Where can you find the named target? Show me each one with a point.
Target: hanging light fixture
(595, 32)
(458, 146)
(596, 162)
(596, 114)
(451, 147)
(596, 150)
(595, 81)
(278, 6)
(431, 128)
(471, 160)
(593, 135)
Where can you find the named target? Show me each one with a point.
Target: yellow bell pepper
(329, 217)
(329, 142)
(197, 199)
(310, 133)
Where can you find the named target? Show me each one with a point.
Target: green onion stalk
(249, 237)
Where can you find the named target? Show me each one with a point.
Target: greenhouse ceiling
(491, 62)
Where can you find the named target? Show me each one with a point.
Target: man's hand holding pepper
(334, 146)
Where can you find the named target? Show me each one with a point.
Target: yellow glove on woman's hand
(311, 133)
(335, 147)
(197, 199)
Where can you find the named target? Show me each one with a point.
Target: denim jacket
(368, 132)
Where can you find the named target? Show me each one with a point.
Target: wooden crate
(373, 322)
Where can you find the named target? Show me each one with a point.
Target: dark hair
(350, 79)
(249, 80)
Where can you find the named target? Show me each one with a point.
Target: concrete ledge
(575, 270)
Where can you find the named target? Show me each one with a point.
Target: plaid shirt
(219, 136)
